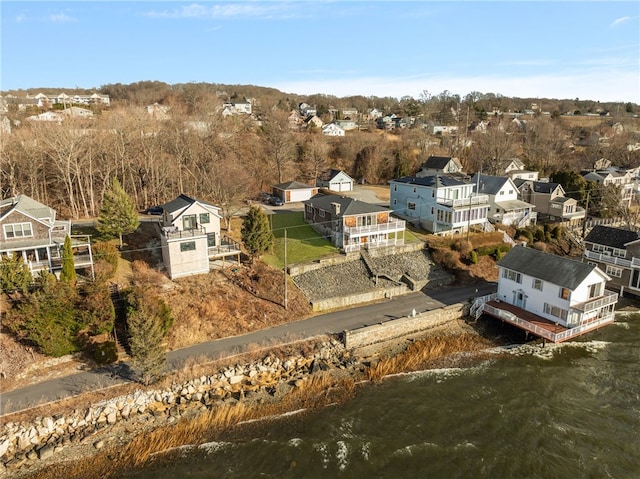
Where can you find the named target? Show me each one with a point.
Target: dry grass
(316, 392)
(420, 353)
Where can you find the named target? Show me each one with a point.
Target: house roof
(436, 162)
(183, 201)
(564, 272)
(348, 206)
(435, 181)
(612, 237)
(27, 205)
(293, 185)
(487, 184)
(331, 174)
(545, 187)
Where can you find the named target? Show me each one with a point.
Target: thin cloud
(619, 21)
(229, 10)
(61, 18)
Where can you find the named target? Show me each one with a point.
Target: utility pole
(285, 269)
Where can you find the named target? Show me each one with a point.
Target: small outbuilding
(293, 191)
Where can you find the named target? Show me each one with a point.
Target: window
(414, 189)
(211, 240)
(188, 246)
(512, 275)
(555, 311)
(564, 293)
(395, 202)
(411, 206)
(537, 284)
(321, 213)
(395, 187)
(620, 253)
(204, 218)
(614, 271)
(189, 222)
(18, 230)
(309, 209)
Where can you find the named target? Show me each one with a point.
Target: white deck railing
(607, 258)
(388, 227)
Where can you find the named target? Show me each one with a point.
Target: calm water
(563, 411)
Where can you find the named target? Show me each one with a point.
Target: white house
(191, 237)
(331, 129)
(504, 205)
(550, 296)
(440, 204)
(47, 116)
(335, 180)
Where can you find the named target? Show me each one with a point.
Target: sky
(540, 49)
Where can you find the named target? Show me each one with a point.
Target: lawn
(303, 242)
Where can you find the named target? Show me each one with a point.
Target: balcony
(389, 227)
(471, 201)
(576, 215)
(173, 233)
(607, 258)
(601, 302)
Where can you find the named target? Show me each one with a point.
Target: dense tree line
(71, 166)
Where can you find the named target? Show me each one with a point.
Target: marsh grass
(419, 354)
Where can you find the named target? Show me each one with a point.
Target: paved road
(329, 323)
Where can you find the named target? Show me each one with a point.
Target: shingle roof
(436, 162)
(612, 237)
(183, 201)
(330, 174)
(489, 185)
(293, 185)
(28, 205)
(564, 272)
(435, 181)
(348, 206)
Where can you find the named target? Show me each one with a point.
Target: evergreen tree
(118, 215)
(47, 318)
(68, 273)
(14, 274)
(256, 234)
(146, 334)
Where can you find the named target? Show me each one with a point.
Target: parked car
(275, 201)
(154, 210)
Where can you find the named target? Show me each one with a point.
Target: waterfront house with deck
(190, 237)
(351, 224)
(30, 230)
(550, 296)
(617, 252)
(440, 204)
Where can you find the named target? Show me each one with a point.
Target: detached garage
(294, 191)
(335, 180)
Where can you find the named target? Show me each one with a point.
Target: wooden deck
(540, 326)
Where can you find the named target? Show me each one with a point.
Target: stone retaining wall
(350, 300)
(23, 442)
(300, 268)
(396, 328)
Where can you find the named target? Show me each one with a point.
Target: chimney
(336, 208)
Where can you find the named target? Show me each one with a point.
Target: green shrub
(557, 232)
(474, 257)
(14, 274)
(106, 353)
(547, 237)
(539, 234)
(105, 256)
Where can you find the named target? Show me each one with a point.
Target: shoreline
(128, 444)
